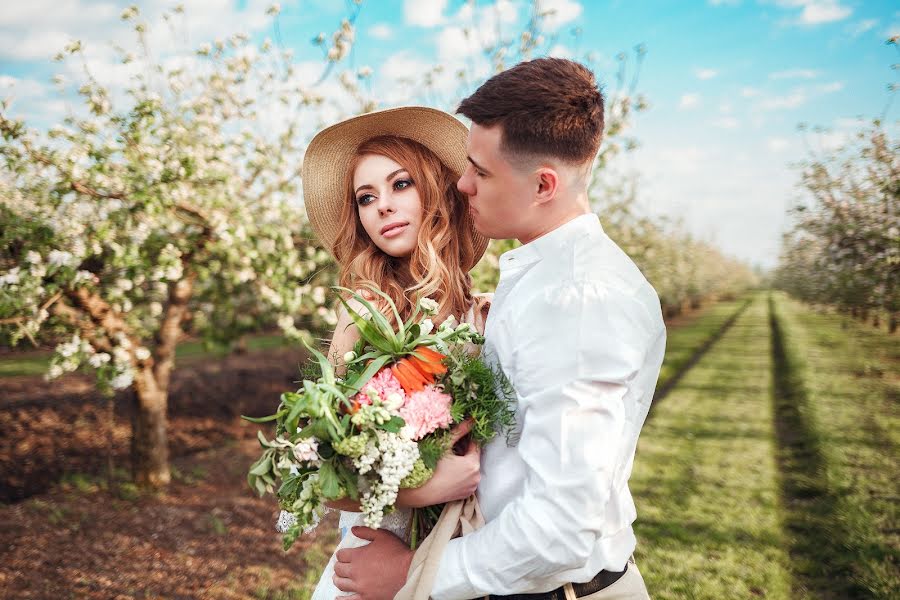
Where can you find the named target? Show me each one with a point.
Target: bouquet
(385, 423)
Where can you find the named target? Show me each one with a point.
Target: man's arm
(578, 352)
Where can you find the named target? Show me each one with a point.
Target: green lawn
(705, 478)
(843, 509)
(685, 339)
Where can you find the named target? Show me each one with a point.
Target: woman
(380, 191)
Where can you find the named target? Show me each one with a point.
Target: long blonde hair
(445, 249)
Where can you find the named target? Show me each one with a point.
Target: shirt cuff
(452, 580)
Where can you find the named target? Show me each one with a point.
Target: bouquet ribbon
(459, 518)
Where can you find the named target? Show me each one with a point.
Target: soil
(66, 533)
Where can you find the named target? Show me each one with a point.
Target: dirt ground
(65, 534)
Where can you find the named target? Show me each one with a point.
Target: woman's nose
(385, 206)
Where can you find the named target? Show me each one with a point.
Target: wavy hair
(445, 249)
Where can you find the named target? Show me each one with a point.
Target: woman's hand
(455, 477)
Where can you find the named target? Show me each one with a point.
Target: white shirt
(579, 332)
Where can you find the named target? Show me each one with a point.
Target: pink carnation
(382, 383)
(426, 411)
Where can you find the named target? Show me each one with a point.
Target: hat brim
(332, 149)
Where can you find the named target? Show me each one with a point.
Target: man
(579, 332)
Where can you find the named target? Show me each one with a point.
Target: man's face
(500, 195)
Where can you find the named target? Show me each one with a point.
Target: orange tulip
(428, 361)
(410, 378)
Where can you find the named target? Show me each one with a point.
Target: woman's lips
(394, 230)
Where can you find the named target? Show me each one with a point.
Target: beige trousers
(629, 587)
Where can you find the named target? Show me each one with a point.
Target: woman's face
(388, 204)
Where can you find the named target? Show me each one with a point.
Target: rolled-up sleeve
(578, 348)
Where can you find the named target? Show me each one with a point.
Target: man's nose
(464, 184)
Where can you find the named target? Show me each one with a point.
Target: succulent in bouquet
(385, 422)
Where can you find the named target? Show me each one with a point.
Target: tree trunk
(893, 322)
(149, 444)
(876, 319)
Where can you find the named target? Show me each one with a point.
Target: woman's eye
(401, 184)
(365, 199)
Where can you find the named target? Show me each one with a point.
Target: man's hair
(545, 107)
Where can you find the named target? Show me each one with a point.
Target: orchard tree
(168, 212)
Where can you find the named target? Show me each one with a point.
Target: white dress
(397, 522)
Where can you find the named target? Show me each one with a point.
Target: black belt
(602, 580)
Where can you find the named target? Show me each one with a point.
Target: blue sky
(727, 80)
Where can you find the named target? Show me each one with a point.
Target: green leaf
(366, 375)
(263, 465)
(324, 365)
(328, 479)
(262, 419)
(376, 318)
(394, 425)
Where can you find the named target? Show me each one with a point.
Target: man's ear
(547, 181)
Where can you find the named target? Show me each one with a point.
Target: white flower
(99, 359)
(349, 356)
(394, 401)
(11, 277)
(305, 450)
(449, 323)
(428, 306)
(142, 353)
(33, 257)
(60, 258)
(426, 327)
(122, 380)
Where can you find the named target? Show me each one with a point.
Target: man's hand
(375, 571)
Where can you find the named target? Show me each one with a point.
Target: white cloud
(750, 92)
(795, 74)
(817, 12)
(381, 31)
(726, 123)
(704, 74)
(777, 144)
(424, 13)
(560, 12)
(471, 30)
(834, 86)
(792, 100)
(689, 101)
(561, 51)
(18, 45)
(863, 26)
(724, 2)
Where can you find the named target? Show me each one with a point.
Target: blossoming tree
(845, 247)
(171, 211)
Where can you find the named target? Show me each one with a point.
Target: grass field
(705, 479)
(768, 470)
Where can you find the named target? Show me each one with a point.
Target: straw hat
(332, 149)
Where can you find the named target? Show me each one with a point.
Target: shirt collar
(550, 244)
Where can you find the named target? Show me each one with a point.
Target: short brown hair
(546, 107)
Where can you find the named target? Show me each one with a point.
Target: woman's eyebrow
(388, 178)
